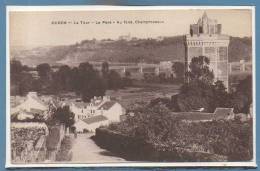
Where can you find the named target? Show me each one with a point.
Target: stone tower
(205, 39)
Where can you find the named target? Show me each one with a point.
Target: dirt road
(85, 150)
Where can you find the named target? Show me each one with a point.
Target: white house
(101, 109)
(112, 110)
(91, 123)
(31, 105)
(31, 102)
(84, 110)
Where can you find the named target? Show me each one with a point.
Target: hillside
(135, 50)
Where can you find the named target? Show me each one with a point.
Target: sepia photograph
(130, 86)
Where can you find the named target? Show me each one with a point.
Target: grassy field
(143, 92)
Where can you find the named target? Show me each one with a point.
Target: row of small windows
(91, 111)
(199, 43)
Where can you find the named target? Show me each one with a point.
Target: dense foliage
(156, 125)
(64, 116)
(84, 79)
(200, 91)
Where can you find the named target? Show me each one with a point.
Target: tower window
(200, 29)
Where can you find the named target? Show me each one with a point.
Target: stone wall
(28, 142)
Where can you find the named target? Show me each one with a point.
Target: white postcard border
(8, 163)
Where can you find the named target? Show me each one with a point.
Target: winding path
(85, 150)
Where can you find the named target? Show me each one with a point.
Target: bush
(157, 126)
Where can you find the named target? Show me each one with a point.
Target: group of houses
(100, 111)
(26, 108)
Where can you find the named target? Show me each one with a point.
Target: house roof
(95, 119)
(36, 111)
(222, 113)
(107, 105)
(194, 116)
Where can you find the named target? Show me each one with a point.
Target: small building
(100, 111)
(224, 114)
(90, 124)
(112, 110)
(30, 106)
(219, 114)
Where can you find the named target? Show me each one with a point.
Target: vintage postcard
(93, 86)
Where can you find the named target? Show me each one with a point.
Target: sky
(37, 28)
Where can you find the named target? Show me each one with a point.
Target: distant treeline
(84, 80)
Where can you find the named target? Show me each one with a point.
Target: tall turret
(205, 39)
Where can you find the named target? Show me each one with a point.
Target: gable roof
(107, 105)
(95, 119)
(30, 103)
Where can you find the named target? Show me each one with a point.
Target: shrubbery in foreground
(157, 126)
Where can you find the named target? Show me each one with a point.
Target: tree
(105, 74)
(178, 69)
(75, 80)
(165, 101)
(89, 82)
(64, 116)
(198, 92)
(162, 77)
(153, 124)
(242, 98)
(114, 80)
(44, 71)
(21, 80)
(45, 80)
(105, 69)
(221, 96)
(15, 67)
(127, 74)
(199, 70)
(194, 95)
(25, 83)
(62, 79)
(126, 80)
